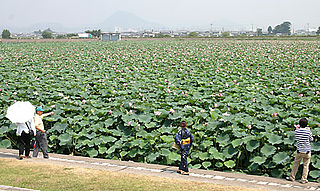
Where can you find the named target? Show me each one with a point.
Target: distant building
(84, 35)
(110, 36)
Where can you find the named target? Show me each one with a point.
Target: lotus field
(124, 100)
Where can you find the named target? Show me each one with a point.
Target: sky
(171, 13)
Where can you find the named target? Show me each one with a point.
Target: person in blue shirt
(184, 139)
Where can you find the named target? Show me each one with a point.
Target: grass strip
(44, 176)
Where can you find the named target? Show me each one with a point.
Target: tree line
(47, 34)
(283, 29)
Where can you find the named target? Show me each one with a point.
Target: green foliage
(283, 28)
(124, 101)
(193, 34)
(225, 34)
(281, 158)
(161, 35)
(5, 144)
(95, 33)
(61, 36)
(268, 150)
(6, 34)
(315, 174)
(259, 32)
(269, 30)
(46, 34)
(70, 35)
(318, 31)
(258, 160)
(206, 164)
(230, 164)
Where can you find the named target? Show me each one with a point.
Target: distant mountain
(119, 20)
(125, 20)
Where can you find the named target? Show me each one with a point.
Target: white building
(84, 35)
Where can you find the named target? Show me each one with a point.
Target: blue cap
(39, 109)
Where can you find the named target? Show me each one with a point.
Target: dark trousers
(41, 142)
(24, 143)
(184, 160)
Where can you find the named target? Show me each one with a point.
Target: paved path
(11, 188)
(209, 176)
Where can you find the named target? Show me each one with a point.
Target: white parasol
(20, 112)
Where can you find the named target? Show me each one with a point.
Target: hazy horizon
(169, 13)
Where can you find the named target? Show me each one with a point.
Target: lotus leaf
(102, 149)
(196, 166)
(219, 164)
(315, 146)
(275, 139)
(259, 160)
(316, 163)
(237, 142)
(5, 144)
(109, 122)
(108, 139)
(3, 130)
(268, 150)
(281, 158)
(277, 173)
(230, 164)
(289, 141)
(65, 139)
(150, 125)
(174, 156)
(315, 174)
(152, 157)
(216, 154)
(92, 153)
(206, 164)
(123, 153)
(132, 153)
(165, 152)
(144, 118)
(223, 139)
(167, 139)
(230, 151)
(142, 133)
(252, 145)
(203, 156)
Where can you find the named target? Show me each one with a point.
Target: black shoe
(46, 157)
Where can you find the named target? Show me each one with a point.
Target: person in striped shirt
(303, 137)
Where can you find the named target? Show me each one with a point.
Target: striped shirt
(303, 137)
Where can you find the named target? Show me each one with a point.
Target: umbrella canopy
(20, 112)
